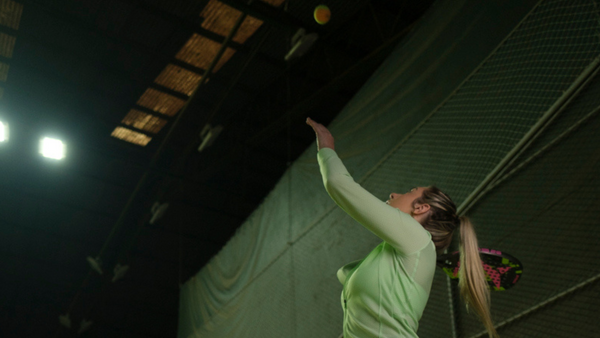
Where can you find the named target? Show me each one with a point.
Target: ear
(421, 208)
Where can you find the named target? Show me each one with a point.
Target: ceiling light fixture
(208, 136)
(158, 210)
(52, 148)
(119, 271)
(95, 263)
(301, 43)
(3, 132)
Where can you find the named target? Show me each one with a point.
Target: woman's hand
(324, 137)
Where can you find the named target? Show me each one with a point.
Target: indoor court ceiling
(119, 82)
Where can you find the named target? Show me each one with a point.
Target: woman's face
(403, 202)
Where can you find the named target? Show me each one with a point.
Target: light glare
(52, 148)
(3, 132)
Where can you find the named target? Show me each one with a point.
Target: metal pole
(542, 304)
(542, 150)
(452, 303)
(533, 133)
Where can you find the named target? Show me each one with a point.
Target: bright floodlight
(52, 148)
(3, 132)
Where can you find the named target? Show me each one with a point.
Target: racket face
(502, 270)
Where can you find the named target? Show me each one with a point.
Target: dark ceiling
(77, 68)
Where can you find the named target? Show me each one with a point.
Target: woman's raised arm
(395, 227)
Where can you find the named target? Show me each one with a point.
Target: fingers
(324, 137)
(317, 127)
(310, 122)
(313, 124)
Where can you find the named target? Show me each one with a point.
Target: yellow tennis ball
(322, 14)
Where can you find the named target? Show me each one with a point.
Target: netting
(553, 195)
(276, 277)
(490, 113)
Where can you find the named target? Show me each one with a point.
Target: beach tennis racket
(502, 270)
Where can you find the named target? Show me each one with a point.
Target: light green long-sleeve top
(385, 293)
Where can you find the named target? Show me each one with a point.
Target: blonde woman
(385, 293)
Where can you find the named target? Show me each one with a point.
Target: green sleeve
(397, 228)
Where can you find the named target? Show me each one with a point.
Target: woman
(384, 294)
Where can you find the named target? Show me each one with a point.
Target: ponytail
(472, 282)
(441, 221)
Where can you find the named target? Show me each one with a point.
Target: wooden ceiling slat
(10, 13)
(143, 121)
(7, 45)
(160, 102)
(200, 51)
(219, 18)
(4, 71)
(179, 79)
(131, 136)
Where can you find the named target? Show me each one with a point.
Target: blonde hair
(441, 221)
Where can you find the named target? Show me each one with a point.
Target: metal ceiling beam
(221, 80)
(169, 91)
(270, 15)
(267, 13)
(125, 43)
(281, 19)
(131, 127)
(196, 27)
(242, 6)
(151, 112)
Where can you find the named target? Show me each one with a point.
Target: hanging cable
(290, 182)
(179, 239)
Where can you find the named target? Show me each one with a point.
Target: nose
(393, 195)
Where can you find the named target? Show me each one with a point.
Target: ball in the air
(322, 14)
